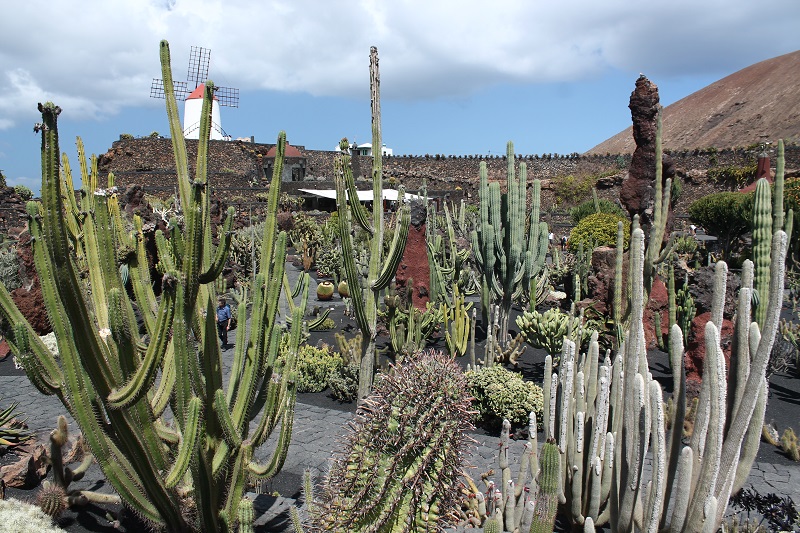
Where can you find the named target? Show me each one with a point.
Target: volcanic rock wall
(236, 170)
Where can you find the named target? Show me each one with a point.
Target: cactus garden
(291, 374)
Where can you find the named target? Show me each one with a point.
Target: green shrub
(125, 137)
(499, 393)
(599, 229)
(734, 175)
(344, 382)
(570, 190)
(726, 215)
(24, 192)
(315, 366)
(587, 208)
(685, 245)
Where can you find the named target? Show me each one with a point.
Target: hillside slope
(756, 104)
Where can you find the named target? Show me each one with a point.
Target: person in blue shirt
(223, 322)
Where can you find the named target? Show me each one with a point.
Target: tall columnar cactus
(762, 241)
(509, 259)
(546, 505)
(365, 292)
(400, 465)
(768, 216)
(606, 418)
(106, 372)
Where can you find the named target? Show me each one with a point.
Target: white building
(365, 149)
(191, 116)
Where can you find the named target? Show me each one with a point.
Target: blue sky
(457, 77)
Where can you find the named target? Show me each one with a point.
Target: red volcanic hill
(756, 104)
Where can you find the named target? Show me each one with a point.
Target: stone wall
(236, 170)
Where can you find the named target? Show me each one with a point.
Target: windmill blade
(227, 96)
(199, 61)
(157, 89)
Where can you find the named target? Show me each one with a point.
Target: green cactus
(106, 367)
(762, 242)
(544, 515)
(365, 293)
(449, 264)
(57, 496)
(547, 330)
(509, 260)
(400, 465)
(458, 327)
(789, 444)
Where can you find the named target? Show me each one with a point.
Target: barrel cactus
(400, 464)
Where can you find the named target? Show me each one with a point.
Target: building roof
(363, 196)
(198, 92)
(290, 151)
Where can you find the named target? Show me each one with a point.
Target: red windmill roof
(291, 151)
(198, 92)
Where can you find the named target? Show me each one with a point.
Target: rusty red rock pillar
(414, 264)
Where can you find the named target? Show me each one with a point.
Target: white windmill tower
(191, 92)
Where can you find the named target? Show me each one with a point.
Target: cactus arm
(656, 498)
(395, 252)
(343, 173)
(230, 432)
(751, 441)
(358, 210)
(142, 379)
(162, 394)
(777, 204)
(683, 483)
(175, 129)
(188, 444)
(222, 252)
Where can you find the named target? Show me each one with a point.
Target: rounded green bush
(588, 208)
(501, 394)
(24, 192)
(599, 229)
(315, 366)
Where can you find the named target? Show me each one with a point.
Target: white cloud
(96, 56)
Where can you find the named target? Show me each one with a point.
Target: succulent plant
(365, 291)
(106, 366)
(400, 464)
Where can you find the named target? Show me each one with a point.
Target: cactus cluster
(399, 468)
(525, 503)
(547, 330)
(509, 258)
(607, 417)
(117, 383)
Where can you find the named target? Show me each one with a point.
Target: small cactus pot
(325, 290)
(344, 290)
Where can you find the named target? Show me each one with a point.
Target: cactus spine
(104, 364)
(365, 293)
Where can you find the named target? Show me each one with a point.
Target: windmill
(191, 91)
